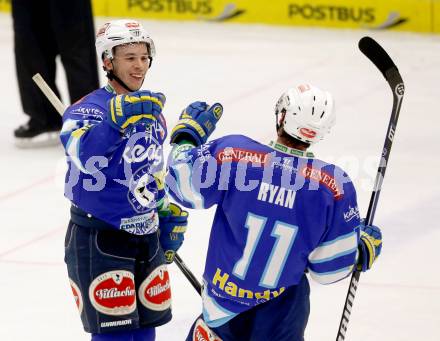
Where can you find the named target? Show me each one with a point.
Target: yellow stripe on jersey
(112, 109)
(80, 132)
(118, 106)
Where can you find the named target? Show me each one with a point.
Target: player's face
(131, 63)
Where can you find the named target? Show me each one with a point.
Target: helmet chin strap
(111, 76)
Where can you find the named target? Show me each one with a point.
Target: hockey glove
(370, 246)
(140, 107)
(172, 227)
(196, 123)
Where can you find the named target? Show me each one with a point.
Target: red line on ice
(27, 188)
(30, 242)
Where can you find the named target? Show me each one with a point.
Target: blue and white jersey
(116, 177)
(280, 212)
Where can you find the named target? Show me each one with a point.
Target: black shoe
(32, 136)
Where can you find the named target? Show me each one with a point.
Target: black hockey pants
(43, 30)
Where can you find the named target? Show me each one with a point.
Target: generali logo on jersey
(76, 295)
(113, 293)
(323, 178)
(231, 154)
(155, 290)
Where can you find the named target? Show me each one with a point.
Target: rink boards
(402, 15)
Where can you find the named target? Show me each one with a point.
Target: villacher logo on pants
(155, 290)
(114, 293)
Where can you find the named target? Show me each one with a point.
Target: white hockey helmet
(120, 32)
(308, 113)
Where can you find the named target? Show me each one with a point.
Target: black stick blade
(376, 54)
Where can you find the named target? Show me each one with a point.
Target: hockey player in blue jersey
(113, 139)
(281, 213)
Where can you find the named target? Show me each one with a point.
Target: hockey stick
(188, 274)
(373, 51)
(48, 92)
(60, 107)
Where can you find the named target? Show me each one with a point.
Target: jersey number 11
(285, 235)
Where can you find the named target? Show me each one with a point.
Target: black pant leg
(73, 28)
(35, 51)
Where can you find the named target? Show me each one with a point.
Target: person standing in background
(43, 30)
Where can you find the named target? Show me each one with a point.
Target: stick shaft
(381, 59)
(48, 92)
(188, 274)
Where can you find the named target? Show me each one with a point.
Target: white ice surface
(246, 68)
